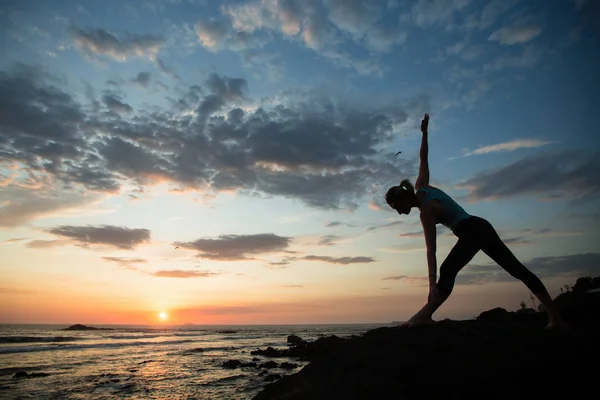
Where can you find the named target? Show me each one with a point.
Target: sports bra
(452, 213)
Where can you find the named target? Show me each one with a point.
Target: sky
(225, 162)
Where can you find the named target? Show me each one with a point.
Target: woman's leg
(463, 251)
(495, 248)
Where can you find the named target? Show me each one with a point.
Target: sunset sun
(162, 315)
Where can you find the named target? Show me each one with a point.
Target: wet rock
(294, 340)
(232, 364)
(268, 364)
(287, 365)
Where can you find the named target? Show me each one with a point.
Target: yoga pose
(474, 234)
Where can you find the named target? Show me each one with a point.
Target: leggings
(474, 234)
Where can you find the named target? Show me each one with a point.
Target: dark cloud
(115, 236)
(572, 265)
(142, 79)
(126, 262)
(557, 175)
(237, 247)
(116, 104)
(328, 240)
(340, 260)
(322, 150)
(177, 273)
(94, 42)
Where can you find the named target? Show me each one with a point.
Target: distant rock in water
(79, 327)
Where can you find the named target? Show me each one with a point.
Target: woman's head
(401, 198)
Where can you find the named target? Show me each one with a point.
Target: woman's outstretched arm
(423, 179)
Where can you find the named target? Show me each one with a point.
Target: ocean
(136, 362)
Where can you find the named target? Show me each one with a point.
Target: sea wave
(37, 339)
(28, 349)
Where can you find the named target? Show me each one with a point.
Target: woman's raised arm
(423, 179)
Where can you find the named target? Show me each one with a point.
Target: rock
(305, 351)
(268, 364)
(500, 354)
(249, 365)
(269, 352)
(38, 374)
(196, 350)
(20, 374)
(255, 359)
(294, 340)
(232, 364)
(79, 327)
(493, 314)
(287, 365)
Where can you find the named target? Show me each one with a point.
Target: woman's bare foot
(414, 322)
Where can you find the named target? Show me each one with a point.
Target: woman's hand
(425, 123)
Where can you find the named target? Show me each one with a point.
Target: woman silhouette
(474, 234)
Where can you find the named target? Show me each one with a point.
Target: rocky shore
(498, 355)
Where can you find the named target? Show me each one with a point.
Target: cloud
(115, 236)
(515, 34)
(237, 247)
(328, 240)
(120, 47)
(572, 266)
(484, 18)
(386, 225)
(428, 13)
(126, 262)
(440, 230)
(321, 27)
(46, 244)
(354, 17)
(11, 241)
(142, 79)
(382, 38)
(567, 174)
(319, 147)
(529, 58)
(177, 273)
(340, 260)
(339, 223)
(35, 198)
(115, 104)
(509, 146)
(406, 278)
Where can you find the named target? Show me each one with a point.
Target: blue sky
(259, 137)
